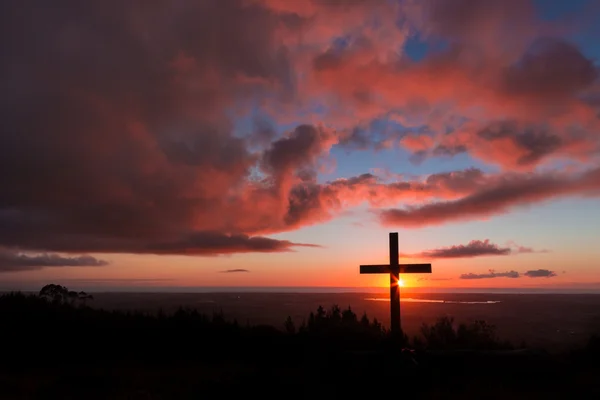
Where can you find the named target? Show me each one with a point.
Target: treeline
(444, 334)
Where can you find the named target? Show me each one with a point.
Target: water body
(411, 300)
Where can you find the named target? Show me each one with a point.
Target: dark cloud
(475, 248)
(550, 67)
(356, 138)
(449, 151)
(229, 271)
(534, 142)
(209, 243)
(498, 198)
(540, 273)
(368, 138)
(115, 280)
(301, 148)
(14, 261)
(472, 20)
(263, 133)
(491, 274)
(116, 136)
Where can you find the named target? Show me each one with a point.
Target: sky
(274, 143)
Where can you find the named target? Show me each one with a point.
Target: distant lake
(412, 300)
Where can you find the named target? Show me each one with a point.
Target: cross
(394, 268)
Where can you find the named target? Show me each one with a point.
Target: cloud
(128, 123)
(229, 271)
(115, 280)
(491, 274)
(550, 67)
(523, 249)
(535, 82)
(168, 131)
(475, 248)
(540, 273)
(512, 144)
(509, 192)
(13, 261)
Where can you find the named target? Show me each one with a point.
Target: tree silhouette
(73, 296)
(348, 317)
(289, 325)
(83, 297)
(444, 335)
(58, 294)
(55, 293)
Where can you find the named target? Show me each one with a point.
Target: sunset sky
(277, 142)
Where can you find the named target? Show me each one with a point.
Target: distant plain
(552, 321)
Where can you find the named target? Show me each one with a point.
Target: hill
(59, 347)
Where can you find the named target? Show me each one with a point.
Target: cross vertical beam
(394, 269)
(394, 287)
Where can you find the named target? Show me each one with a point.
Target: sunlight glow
(384, 281)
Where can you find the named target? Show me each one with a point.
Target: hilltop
(60, 347)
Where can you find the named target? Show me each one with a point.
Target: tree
(83, 297)
(348, 316)
(440, 335)
(58, 294)
(55, 293)
(364, 321)
(289, 325)
(73, 297)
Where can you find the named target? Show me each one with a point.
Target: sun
(384, 281)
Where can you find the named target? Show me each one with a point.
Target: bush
(444, 335)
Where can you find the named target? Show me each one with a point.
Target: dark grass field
(551, 321)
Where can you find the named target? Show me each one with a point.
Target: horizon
(265, 143)
(316, 290)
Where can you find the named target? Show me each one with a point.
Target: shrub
(444, 335)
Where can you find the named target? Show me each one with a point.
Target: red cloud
(511, 72)
(124, 141)
(120, 135)
(506, 194)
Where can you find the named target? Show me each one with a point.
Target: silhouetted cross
(395, 269)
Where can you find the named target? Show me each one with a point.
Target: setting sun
(384, 281)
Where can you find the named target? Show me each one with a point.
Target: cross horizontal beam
(401, 268)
